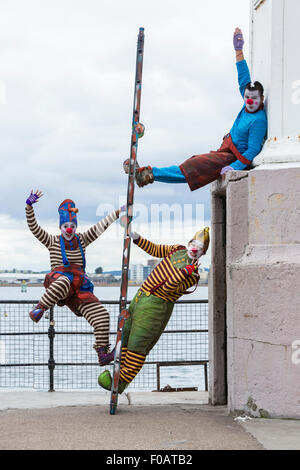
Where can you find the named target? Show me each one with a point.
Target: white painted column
(274, 44)
(263, 232)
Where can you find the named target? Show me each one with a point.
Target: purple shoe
(37, 313)
(104, 356)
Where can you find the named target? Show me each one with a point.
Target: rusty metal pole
(124, 313)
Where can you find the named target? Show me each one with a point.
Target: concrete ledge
(219, 186)
(275, 434)
(168, 398)
(35, 399)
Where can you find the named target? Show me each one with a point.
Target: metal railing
(57, 352)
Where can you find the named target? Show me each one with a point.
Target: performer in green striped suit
(152, 306)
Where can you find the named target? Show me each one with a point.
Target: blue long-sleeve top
(249, 129)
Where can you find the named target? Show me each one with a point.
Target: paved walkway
(148, 421)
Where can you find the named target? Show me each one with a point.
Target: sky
(66, 95)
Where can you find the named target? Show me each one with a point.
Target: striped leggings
(96, 315)
(131, 364)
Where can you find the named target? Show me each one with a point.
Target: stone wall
(261, 315)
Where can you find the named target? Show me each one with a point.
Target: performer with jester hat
(67, 283)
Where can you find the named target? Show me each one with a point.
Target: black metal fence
(57, 353)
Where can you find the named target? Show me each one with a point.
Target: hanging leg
(170, 174)
(133, 363)
(147, 175)
(58, 290)
(98, 317)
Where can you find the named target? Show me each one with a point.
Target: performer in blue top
(239, 146)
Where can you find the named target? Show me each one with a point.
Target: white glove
(134, 235)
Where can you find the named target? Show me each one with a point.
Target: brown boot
(144, 176)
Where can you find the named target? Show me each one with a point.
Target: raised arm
(158, 251)
(96, 230)
(39, 233)
(238, 44)
(242, 68)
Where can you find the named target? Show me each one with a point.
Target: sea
(79, 377)
(102, 292)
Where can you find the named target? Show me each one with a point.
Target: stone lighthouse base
(254, 292)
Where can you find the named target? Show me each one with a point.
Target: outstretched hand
(238, 39)
(34, 197)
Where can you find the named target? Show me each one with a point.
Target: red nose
(249, 101)
(69, 230)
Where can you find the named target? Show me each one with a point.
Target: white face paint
(252, 100)
(195, 249)
(68, 230)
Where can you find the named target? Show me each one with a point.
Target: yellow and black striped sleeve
(175, 277)
(158, 251)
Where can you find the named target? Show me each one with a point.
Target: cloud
(161, 224)
(68, 70)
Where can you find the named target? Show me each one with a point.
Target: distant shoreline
(40, 284)
(96, 284)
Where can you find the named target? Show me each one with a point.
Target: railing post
(205, 377)
(51, 361)
(157, 377)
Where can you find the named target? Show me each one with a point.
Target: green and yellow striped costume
(167, 279)
(152, 306)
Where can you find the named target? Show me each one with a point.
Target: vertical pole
(132, 165)
(205, 377)
(127, 240)
(217, 304)
(157, 377)
(51, 361)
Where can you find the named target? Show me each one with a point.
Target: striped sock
(98, 318)
(133, 364)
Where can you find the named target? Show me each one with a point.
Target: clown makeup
(195, 249)
(68, 230)
(252, 100)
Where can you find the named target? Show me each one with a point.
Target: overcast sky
(67, 76)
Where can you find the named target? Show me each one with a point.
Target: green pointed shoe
(105, 381)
